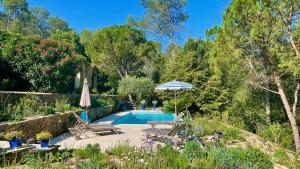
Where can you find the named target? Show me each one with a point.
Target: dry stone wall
(56, 124)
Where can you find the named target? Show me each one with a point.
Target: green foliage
(71, 39)
(48, 160)
(60, 77)
(281, 157)
(208, 126)
(118, 50)
(93, 154)
(278, 134)
(31, 105)
(193, 150)
(172, 158)
(120, 149)
(164, 18)
(98, 102)
(17, 17)
(47, 65)
(90, 164)
(232, 134)
(191, 64)
(91, 150)
(61, 105)
(14, 135)
(240, 158)
(44, 135)
(256, 156)
(181, 105)
(138, 88)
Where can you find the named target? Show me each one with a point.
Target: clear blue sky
(94, 14)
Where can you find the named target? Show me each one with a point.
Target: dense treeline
(246, 72)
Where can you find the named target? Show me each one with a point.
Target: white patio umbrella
(175, 85)
(85, 99)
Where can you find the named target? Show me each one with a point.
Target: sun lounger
(175, 121)
(80, 128)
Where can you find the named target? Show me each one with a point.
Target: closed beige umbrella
(85, 100)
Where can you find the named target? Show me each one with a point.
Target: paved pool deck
(131, 133)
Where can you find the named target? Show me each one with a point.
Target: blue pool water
(144, 117)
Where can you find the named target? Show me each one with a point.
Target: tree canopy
(119, 50)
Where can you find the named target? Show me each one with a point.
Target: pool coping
(111, 118)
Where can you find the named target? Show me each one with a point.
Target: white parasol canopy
(85, 100)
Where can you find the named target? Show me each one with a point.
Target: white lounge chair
(80, 128)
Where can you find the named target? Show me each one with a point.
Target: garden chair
(81, 128)
(177, 120)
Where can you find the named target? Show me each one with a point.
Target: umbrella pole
(175, 103)
(87, 117)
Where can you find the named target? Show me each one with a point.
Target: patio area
(130, 133)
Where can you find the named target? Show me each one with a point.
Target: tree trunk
(268, 106)
(289, 113)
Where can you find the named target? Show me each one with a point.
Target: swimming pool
(144, 117)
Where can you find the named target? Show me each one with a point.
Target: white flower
(142, 160)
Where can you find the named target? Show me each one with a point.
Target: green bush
(250, 158)
(256, 157)
(278, 134)
(208, 126)
(193, 150)
(90, 164)
(120, 149)
(61, 105)
(169, 106)
(172, 158)
(232, 134)
(281, 157)
(99, 102)
(204, 163)
(88, 151)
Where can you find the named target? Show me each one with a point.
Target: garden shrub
(172, 158)
(281, 157)
(193, 150)
(208, 126)
(239, 158)
(233, 134)
(61, 105)
(169, 106)
(48, 160)
(93, 155)
(120, 149)
(256, 157)
(278, 134)
(31, 105)
(88, 151)
(90, 164)
(204, 163)
(98, 102)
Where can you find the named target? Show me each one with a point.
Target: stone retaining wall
(56, 124)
